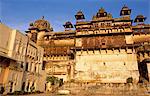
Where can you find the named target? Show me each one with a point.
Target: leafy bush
(129, 80)
(53, 80)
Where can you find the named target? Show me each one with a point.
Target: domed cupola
(125, 11)
(101, 13)
(79, 15)
(139, 18)
(68, 25)
(41, 24)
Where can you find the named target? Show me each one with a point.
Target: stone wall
(106, 65)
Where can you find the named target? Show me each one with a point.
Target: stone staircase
(105, 90)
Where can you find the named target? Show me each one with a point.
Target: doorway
(23, 86)
(11, 87)
(143, 71)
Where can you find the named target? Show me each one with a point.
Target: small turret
(139, 18)
(38, 28)
(125, 11)
(101, 13)
(68, 25)
(79, 15)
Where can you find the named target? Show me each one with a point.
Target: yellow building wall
(64, 42)
(5, 35)
(34, 59)
(141, 38)
(148, 67)
(112, 67)
(12, 74)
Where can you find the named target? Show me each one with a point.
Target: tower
(125, 11)
(101, 13)
(140, 19)
(79, 15)
(32, 32)
(38, 28)
(68, 26)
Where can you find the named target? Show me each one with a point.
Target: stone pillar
(26, 84)
(72, 71)
(35, 85)
(29, 66)
(30, 84)
(13, 87)
(37, 68)
(148, 68)
(68, 72)
(49, 88)
(33, 67)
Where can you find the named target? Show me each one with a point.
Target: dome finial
(42, 17)
(124, 5)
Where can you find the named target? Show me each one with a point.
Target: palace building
(104, 49)
(21, 62)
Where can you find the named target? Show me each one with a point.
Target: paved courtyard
(102, 90)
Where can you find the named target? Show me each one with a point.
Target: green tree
(52, 79)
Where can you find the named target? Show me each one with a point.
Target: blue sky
(19, 13)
